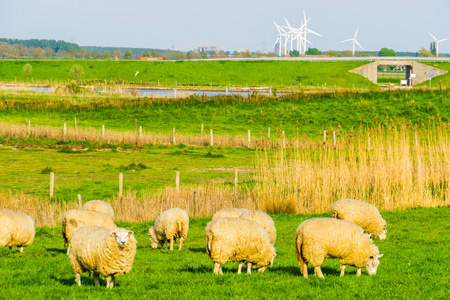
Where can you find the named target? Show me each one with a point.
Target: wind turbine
(437, 43)
(282, 33)
(306, 31)
(354, 41)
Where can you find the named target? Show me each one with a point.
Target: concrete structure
(370, 70)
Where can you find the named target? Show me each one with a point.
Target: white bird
(136, 73)
(354, 41)
(437, 43)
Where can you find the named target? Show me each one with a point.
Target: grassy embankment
(415, 265)
(217, 74)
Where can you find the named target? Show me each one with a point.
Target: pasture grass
(301, 113)
(415, 265)
(279, 74)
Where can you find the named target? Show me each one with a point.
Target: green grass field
(415, 265)
(309, 113)
(279, 74)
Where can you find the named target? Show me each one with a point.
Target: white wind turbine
(281, 33)
(354, 41)
(306, 30)
(437, 43)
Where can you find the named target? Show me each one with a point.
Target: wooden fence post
(140, 132)
(334, 138)
(173, 136)
(103, 131)
(120, 186)
(212, 140)
(65, 131)
(268, 132)
(29, 127)
(177, 181)
(80, 203)
(324, 136)
(248, 134)
(284, 139)
(52, 183)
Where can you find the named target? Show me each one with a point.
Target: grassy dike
(279, 74)
(414, 266)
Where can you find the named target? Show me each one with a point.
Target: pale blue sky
(230, 25)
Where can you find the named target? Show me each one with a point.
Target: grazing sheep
(321, 238)
(232, 212)
(170, 225)
(262, 219)
(16, 229)
(361, 213)
(102, 251)
(245, 241)
(76, 218)
(100, 206)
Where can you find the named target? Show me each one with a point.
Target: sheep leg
(305, 270)
(165, 244)
(343, 270)
(240, 267)
(217, 268)
(171, 243)
(249, 267)
(10, 248)
(78, 278)
(358, 272)
(181, 243)
(221, 273)
(21, 249)
(110, 281)
(96, 282)
(318, 272)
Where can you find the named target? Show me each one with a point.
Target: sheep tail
(298, 251)
(209, 238)
(180, 227)
(334, 214)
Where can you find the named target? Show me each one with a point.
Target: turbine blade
(287, 22)
(310, 31)
(444, 39)
(433, 36)
(359, 44)
(346, 40)
(356, 33)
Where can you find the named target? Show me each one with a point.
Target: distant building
(207, 49)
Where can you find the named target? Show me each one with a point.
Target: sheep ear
(380, 255)
(130, 233)
(114, 234)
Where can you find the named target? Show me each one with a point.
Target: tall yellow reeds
(398, 167)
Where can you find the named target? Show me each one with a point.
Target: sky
(231, 25)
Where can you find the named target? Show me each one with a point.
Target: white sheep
(102, 251)
(262, 219)
(170, 225)
(321, 238)
(361, 213)
(232, 239)
(75, 218)
(100, 206)
(16, 229)
(232, 212)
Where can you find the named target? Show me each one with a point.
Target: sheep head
(153, 238)
(122, 236)
(371, 263)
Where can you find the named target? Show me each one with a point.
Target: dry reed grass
(400, 167)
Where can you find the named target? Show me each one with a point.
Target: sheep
(361, 213)
(170, 225)
(102, 251)
(321, 238)
(100, 206)
(76, 218)
(229, 213)
(262, 219)
(245, 241)
(16, 229)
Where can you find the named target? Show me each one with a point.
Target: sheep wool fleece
(361, 213)
(100, 206)
(264, 220)
(231, 239)
(95, 250)
(16, 229)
